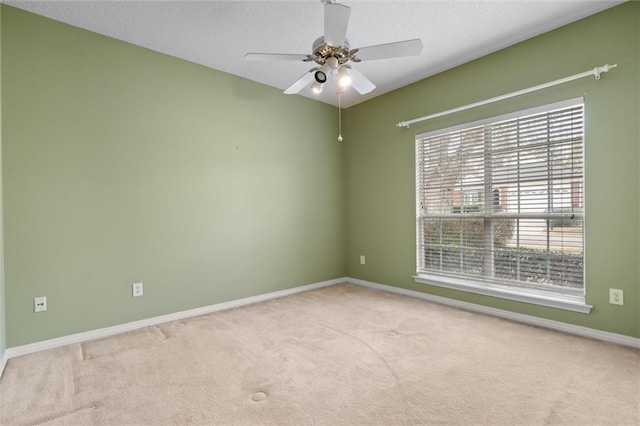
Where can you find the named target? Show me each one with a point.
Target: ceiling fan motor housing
(323, 51)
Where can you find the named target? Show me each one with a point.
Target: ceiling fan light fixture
(344, 79)
(316, 88)
(320, 76)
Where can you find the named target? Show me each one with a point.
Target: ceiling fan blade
(360, 83)
(390, 50)
(275, 57)
(336, 19)
(300, 83)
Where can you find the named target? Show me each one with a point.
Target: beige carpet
(338, 355)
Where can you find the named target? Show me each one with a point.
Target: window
(500, 206)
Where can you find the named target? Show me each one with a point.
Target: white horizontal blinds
(503, 201)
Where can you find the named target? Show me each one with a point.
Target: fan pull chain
(339, 119)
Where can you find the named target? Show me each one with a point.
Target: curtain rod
(596, 72)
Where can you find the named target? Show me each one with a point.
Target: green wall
(124, 165)
(381, 170)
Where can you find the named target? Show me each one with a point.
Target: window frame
(561, 298)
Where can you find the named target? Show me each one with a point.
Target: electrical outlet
(616, 296)
(39, 304)
(136, 289)
(362, 260)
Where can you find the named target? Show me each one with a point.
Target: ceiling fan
(333, 54)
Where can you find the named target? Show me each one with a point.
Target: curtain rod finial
(605, 68)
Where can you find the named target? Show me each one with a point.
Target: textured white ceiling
(217, 34)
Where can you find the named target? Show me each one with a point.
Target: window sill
(538, 297)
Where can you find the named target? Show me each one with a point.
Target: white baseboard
(606, 336)
(130, 326)
(3, 362)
